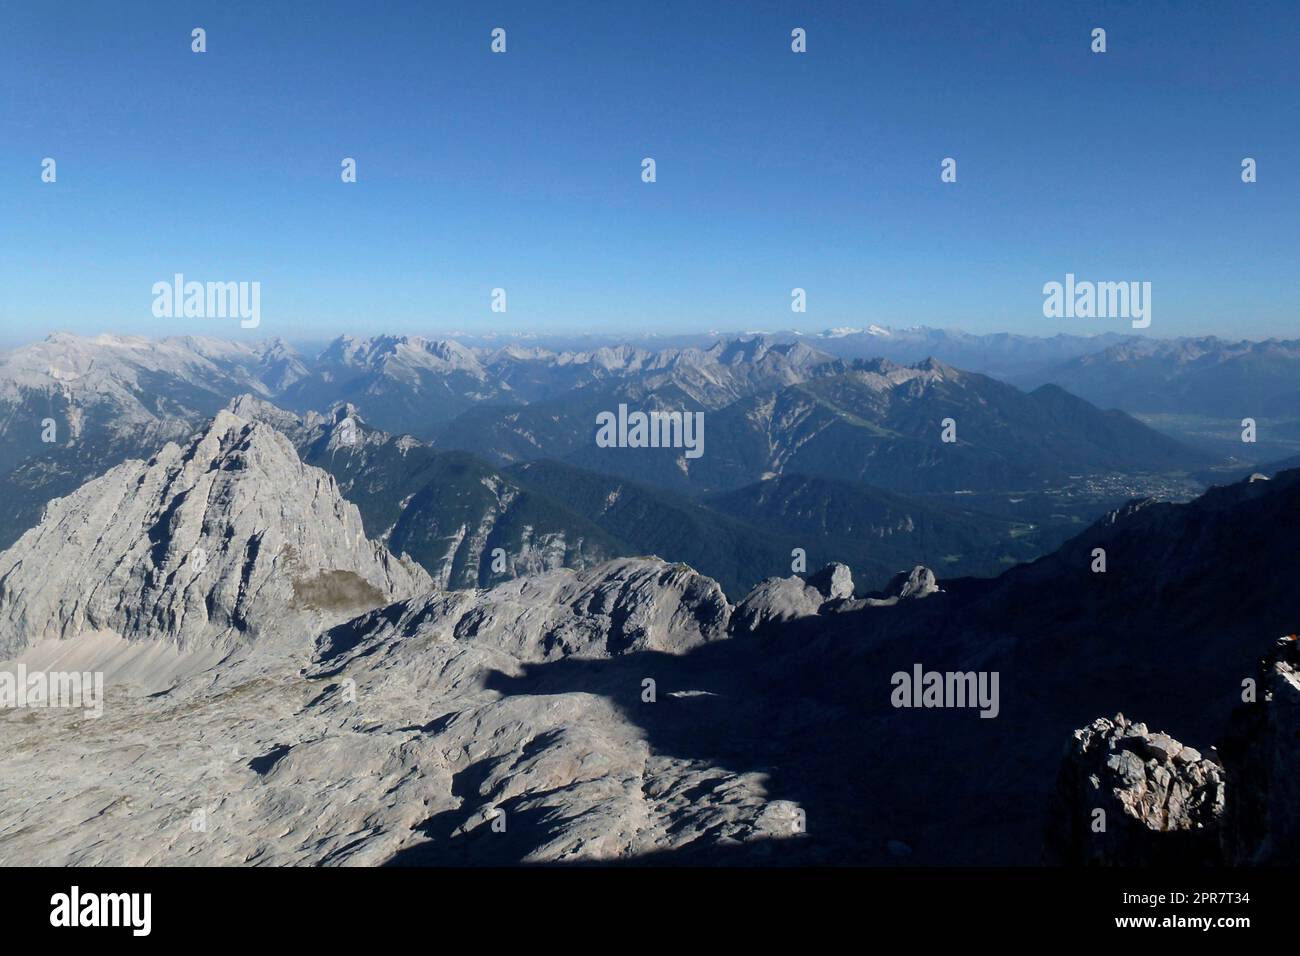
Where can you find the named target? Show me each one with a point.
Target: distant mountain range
(753, 532)
(868, 421)
(775, 406)
(1216, 380)
(1004, 355)
(1199, 390)
(1200, 376)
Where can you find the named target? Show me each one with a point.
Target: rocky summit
(224, 543)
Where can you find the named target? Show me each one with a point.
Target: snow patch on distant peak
(842, 331)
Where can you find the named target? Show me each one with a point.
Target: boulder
(1128, 797)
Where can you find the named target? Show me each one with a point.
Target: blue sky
(522, 170)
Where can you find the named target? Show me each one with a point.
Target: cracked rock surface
(402, 742)
(1127, 796)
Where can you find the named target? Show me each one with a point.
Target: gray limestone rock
(223, 543)
(918, 583)
(1128, 797)
(835, 581)
(780, 600)
(622, 606)
(413, 737)
(774, 602)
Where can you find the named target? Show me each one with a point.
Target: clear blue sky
(522, 170)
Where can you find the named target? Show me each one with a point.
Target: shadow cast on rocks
(1166, 635)
(809, 708)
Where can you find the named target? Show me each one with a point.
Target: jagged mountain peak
(757, 349)
(224, 543)
(231, 442)
(932, 364)
(395, 354)
(343, 411)
(251, 408)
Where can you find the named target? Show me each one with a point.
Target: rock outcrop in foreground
(227, 542)
(1129, 797)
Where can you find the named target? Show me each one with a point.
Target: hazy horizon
(11, 340)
